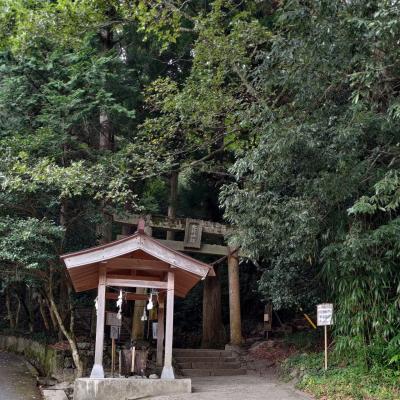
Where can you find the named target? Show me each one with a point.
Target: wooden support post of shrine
(118, 265)
(160, 332)
(98, 371)
(168, 371)
(234, 297)
(137, 332)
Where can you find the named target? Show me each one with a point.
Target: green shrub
(342, 380)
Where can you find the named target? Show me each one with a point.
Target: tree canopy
(280, 117)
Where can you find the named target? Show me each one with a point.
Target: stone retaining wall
(49, 362)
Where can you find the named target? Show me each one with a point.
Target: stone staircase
(207, 362)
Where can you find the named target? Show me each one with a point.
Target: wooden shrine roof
(136, 257)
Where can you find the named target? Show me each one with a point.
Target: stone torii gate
(136, 261)
(193, 229)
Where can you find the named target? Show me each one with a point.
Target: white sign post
(324, 318)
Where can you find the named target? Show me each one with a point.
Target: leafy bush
(342, 381)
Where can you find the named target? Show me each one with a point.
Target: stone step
(201, 353)
(180, 360)
(184, 350)
(213, 372)
(209, 365)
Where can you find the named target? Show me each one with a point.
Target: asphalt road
(16, 381)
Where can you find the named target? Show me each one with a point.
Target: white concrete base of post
(97, 372)
(167, 373)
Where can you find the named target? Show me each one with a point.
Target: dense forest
(281, 118)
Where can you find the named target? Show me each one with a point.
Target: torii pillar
(234, 297)
(168, 370)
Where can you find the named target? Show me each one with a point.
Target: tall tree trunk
(213, 330)
(173, 200)
(68, 333)
(104, 230)
(27, 303)
(10, 315)
(106, 142)
(17, 313)
(65, 301)
(62, 303)
(43, 313)
(52, 316)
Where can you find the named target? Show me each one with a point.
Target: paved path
(238, 388)
(16, 381)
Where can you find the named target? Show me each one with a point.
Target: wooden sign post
(112, 356)
(115, 327)
(114, 334)
(267, 320)
(324, 318)
(133, 350)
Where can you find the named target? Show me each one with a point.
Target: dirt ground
(244, 387)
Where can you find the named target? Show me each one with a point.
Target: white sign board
(112, 319)
(324, 314)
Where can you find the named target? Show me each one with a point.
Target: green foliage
(342, 381)
(385, 199)
(291, 107)
(27, 245)
(304, 341)
(58, 77)
(324, 116)
(22, 22)
(365, 265)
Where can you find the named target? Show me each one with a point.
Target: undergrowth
(342, 381)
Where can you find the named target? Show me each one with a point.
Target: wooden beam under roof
(121, 282)
(137, 277)
(137, 264)
(128, 296)
(214, 249)
(176, 224)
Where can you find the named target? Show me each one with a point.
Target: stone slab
(213, 372)
(128, 389)
(210, 365)
(54, 395)
(201, 353)
(204, 359)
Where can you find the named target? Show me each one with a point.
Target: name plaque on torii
(193, 231)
